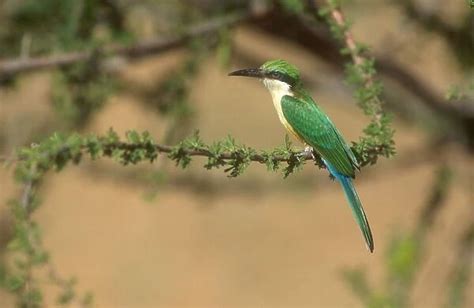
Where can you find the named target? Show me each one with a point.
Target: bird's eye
(281, 77)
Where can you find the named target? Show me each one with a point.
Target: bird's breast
(278, 89)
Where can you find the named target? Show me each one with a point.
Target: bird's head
(273, 71)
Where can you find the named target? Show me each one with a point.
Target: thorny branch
(459, 275)
(166, 149)
(207, 153)
(9, 68)
(26, 195)
(60, 150)
(460, 36)
(354, 51)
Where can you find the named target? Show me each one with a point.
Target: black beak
(249, 72)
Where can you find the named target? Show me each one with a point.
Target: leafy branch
(368, 90)
(9, 68)
(59, 150)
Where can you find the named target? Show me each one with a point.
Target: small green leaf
(133, 136)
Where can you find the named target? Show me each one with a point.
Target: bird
(304, 119)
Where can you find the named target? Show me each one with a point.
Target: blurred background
(156, 235)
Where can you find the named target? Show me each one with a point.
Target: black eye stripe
(282, 77)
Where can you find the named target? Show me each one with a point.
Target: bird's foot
(308, 150)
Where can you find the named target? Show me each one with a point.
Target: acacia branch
(338, 17)
(166, 149)
(58, 150)
(355, 52)
(459, 277)
(9, 68)
(460, 115)
(431, 21)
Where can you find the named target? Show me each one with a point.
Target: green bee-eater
(304, 119)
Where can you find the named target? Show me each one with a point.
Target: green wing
(314, 126)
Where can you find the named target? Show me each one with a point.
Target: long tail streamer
(356, 206)
(357, 209)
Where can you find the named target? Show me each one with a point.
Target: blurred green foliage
(79, 91)
(53, 25)
(361, 73)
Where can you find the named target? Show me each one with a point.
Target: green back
(314, 126)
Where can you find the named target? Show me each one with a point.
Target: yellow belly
(278, 89)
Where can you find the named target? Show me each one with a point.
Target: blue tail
(356, 206)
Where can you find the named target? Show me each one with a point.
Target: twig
(9, 68)
(348, 38)
(436, 199)
(459, 276)
(25, 200)
(206, 153)
(27, 195)
(460, 114)
(224, 156)
(433, 22)
(115, 13)
(356, 56)
(7, 160)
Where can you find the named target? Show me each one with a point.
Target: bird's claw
(308, 151)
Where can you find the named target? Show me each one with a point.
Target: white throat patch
(278, 89)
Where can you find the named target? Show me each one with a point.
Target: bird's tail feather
(357, 209)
